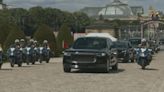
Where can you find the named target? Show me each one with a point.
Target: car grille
(120, 54)
(83, 58)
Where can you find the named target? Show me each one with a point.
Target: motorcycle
(44, 54)
(30, 55)
(15, 56)
(144, 57)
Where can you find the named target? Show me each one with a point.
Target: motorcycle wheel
(27, 62)
(20, 64)
(40, 59)
(47, 61)
(12, 64)
(143, 64)
(33, 61)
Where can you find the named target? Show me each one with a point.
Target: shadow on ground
(151, 69)
(97, 71)
(5, 69)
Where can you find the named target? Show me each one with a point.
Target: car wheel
(115, 67)
(0, 66)
(67, 69)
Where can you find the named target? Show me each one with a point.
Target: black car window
(90, 43)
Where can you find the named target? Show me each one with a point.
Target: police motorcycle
(1, 57)
(44, 52)
(30, 55)
(36, 51)
(144, 57)
(15, 56)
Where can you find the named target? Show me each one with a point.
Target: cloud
(73, 5)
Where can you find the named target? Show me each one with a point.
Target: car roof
(104, 35)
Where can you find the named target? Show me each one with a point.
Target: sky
(75, 5)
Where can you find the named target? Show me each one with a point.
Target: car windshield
(135, 42)
(120, 45)
(90, 43)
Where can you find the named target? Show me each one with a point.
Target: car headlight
(67, 54)
(115, 53)
(124, 51)
(101, 54)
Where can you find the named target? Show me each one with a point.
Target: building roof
(116, 8)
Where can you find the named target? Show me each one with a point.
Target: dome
(116, 8)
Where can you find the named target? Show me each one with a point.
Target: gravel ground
(51, 78)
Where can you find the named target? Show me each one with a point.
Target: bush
(15, 33)
(64, 35)
(4, 32)
(45, 33)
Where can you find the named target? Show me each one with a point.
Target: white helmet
(143, 40)
(22, 40)
(35, 41)
(45, 41)
(17, 41)
(31, 40)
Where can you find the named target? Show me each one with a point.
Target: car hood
(121, 49)
(85, 50)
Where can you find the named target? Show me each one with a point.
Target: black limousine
(90, 53)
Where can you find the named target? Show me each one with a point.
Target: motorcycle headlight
(142, 54)
(150, 50)
(67, 54)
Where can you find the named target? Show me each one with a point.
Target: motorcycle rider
(44, 51)
(144, 45)
(46, 46)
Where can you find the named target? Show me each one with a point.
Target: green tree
(81, 21)
(15, 33)
(44, 32)
(4, 31)
(64, 35)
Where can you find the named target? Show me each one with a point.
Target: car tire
(67, 69)
(115, 67)
(0, 65)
